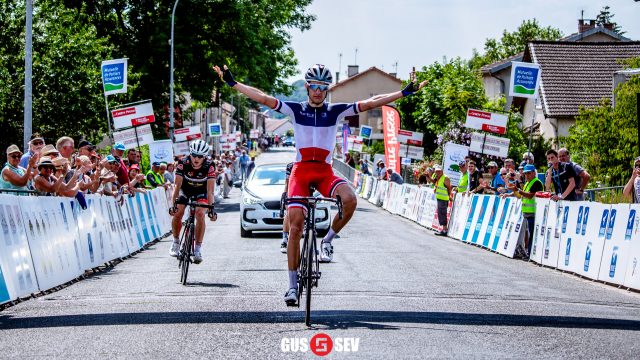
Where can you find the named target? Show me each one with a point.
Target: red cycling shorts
(306, 173)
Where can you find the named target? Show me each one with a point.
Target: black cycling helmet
(320, 73)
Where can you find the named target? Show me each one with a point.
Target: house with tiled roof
(577, 70)
(360, 86)
(574, 75)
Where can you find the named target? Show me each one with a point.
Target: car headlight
(250, 199)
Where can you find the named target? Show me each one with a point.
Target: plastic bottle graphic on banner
(587, 257)
(579, 222)
(629, 231)
(91, 257)
(564, 219)
(603, 224)
(612, 221)
(585, 218)
(614, 261)
(567, 253)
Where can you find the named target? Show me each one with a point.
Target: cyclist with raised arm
(285, 223)
(315, 126)
(195, 182)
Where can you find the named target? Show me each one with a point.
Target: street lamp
(28, 63)
(173, 14)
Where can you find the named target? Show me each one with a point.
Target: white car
(260, 202)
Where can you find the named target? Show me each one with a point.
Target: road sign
(188, 133)
(355, 143)
(128, 136)
(525, 80)
(161, 151)
(486, 121)
(493, 145)
(215, 129)
(410, 137)
(134, 115)
(365, 131)
(114, 76)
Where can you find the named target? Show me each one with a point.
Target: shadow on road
(213, 285)
(222, 208)
(338, 319)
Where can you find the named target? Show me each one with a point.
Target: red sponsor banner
(124, 112)
(494, 129)
(486, 121)
(391, 126)
(143, 120)
(194, 137)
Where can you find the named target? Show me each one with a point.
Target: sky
(416, 33)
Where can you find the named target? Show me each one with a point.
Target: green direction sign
(525, 80)
(114, 76)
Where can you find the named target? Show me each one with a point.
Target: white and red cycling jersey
(315, 132)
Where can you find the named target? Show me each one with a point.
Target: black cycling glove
(410, 89)
(228, 77)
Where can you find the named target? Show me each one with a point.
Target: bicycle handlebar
(195, 204)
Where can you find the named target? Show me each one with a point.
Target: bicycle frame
(187, 243)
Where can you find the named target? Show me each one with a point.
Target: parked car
(260, 202)
(290, 141)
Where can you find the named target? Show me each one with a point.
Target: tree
(511, 43)
(606, 18)
(608, 156)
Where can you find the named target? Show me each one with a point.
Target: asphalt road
(402, 292)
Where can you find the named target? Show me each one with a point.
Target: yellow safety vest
(529, 205)
(464, 183)
(441, 190)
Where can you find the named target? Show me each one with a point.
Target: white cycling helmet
(320, 73)
(199, 147)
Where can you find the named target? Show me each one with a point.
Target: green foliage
(289, 133)
(605, 17)
(605, 139)
(512, 43)
(376, 147)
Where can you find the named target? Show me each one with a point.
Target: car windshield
(268, 176)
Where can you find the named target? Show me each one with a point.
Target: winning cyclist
(195, 181)
(315, 127)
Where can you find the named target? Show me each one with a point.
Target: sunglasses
(197, 156)
(637, 166)
(36, 143)
(318, 87)
(15, 156)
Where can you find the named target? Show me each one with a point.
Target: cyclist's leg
(349, 203)
(176, 222)
(298, 187)
(200, 225)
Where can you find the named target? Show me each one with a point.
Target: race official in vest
(443, 196)
(528, 194)
(463, 184)
(154, 178)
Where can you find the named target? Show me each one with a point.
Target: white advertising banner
(570, 232)
(551, 244)
(453, 155)
(134, 115)
(128, 137)
(355, 143)
(161, 151)
(411, 152)
(632, 274)
(617, 244)
(589, 251)
(181, 148)
(410, 137)
(188, 133)
(491, 145)
(486, 121)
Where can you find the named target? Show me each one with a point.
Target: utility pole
(28, 75)
(638, 117)
(171, 120)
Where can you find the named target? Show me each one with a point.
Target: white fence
(48, 241)
(597, 241)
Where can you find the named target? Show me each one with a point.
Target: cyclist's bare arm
(211, 186)
(383, 99)
(252, 93)
(176, 189)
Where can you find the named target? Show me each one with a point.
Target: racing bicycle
(188, 240)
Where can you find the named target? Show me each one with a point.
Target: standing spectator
(394, 177)
(474, 178)
(14, 176)
(108, 178)
(121, 173)
(227, 180)
(169, 175)
(132, 156)
(244, 162)
(163, 171)
(496, 181)
(85, 148)
(531, 187)
(364, 168)
(65, 146)
(90, 182)
(509, 164)
(632, 189)
(582, 176)
(251, 165)
(560, 177)
(36, 143)
(527, 158)
(44, 182)
(381, 171)
(463, 184)
(154, 179)
(443, 195)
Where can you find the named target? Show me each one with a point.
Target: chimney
(584, 25)
(352, 70)
(395, 75)
(608, 26)
(337, 77)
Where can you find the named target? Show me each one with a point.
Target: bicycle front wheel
(308, 277)
(186, 254)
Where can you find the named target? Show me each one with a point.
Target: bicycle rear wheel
(309, 276)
